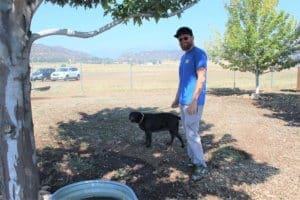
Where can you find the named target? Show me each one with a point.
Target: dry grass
(98, 78)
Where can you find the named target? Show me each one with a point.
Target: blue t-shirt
(190, 62)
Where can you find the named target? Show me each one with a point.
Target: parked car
(65, 73)
(42, 74)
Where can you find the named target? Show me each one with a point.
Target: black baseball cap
(183, 30)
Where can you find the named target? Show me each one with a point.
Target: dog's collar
(142, 118)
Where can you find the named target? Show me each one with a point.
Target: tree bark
(18, 171)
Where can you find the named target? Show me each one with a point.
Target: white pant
(190, 125)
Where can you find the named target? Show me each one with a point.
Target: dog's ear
(140, 115)
(131, 116)
(135, 116)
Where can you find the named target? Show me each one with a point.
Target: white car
(65, 73)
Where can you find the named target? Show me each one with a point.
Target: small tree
(18, 170)
(257, 38)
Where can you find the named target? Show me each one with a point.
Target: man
(190, 97)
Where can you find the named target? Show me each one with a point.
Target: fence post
(131, 76)
(81, 85)
(298, 80)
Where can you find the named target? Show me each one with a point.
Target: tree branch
(183, 9)
(35, 6)
(266, 72)
(72, 33)
(80, 34)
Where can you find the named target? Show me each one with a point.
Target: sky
(204, 18)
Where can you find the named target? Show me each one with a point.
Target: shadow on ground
(105, 145)
(285, 106)
(228, 91)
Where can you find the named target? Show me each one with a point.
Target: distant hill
(150, 56)
(43, 53)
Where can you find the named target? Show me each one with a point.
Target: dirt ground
(252, 147)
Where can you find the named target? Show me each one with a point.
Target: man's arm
(201, 73)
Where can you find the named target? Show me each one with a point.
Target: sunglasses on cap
(183, 38)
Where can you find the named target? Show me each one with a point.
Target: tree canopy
(126, 9)
(257, 37)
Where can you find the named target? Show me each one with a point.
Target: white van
(66, 73)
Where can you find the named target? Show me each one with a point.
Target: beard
(185, 46)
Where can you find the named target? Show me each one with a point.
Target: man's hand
(192, 108)
(175, 104)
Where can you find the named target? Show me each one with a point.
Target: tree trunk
(234, 72)
(257, 81)
(18, 169)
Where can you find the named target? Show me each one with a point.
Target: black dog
(154, 122)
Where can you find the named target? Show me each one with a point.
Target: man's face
(186, 41)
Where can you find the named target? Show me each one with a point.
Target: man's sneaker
(190, 164)
(199, 173)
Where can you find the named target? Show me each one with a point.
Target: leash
(142, 118)
(156, 110)
(151, 110)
